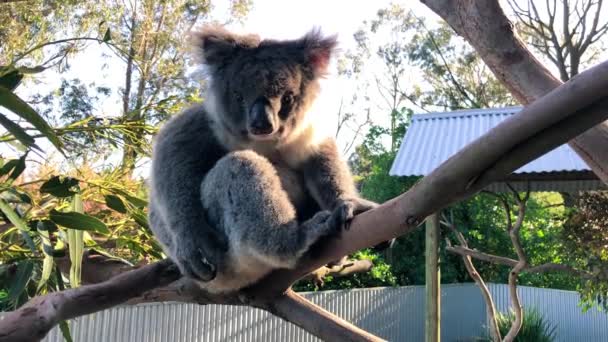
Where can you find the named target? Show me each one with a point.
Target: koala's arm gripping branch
(559, 116)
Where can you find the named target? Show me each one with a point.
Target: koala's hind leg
(244, 196)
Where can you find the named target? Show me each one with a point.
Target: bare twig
(349, 267)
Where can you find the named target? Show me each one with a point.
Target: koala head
(262, 89)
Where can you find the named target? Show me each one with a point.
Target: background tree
(570, 34)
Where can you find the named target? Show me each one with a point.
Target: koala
(243, 184)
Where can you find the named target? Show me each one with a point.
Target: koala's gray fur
(241, 184)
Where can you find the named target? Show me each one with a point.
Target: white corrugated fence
(396, 314)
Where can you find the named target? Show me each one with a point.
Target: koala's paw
(198, 256)
(353, 207)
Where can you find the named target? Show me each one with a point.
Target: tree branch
(345, 269)
(485, 291)
(495, 259)
(34, 320)
(295, 309)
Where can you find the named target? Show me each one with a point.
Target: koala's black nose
(261, 117)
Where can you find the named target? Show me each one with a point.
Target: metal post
(433, 287)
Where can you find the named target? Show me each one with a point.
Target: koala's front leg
(331, 184)
(176, 213)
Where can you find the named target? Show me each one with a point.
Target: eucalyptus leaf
(115, 203)
(18, 132)
(16, 105)
(23, 275)
(74, 220)
(60, 186)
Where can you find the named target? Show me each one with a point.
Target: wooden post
(433, 287)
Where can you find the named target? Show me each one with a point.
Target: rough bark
(34, 320)
(525, 136)
(484, 25)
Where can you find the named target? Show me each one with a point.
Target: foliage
(535, 327)
(586, 237)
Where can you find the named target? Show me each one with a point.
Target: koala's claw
(198, 267)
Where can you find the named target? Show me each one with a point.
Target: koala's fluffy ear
(318, 50)
(216, 45)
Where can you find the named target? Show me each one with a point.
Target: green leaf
(11, 79)
(47, 268)
(76, 245)
(16, 220)
(114, 202)
(65, 331)
(60, 186)
(107, 36)
(14, 166)
(136, 201)
(74, 220)
(24, 272)
(16, 105)
(23, 197)
(44, 225)
(140, 218)
(18, 132)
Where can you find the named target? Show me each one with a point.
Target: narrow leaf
(18, 132)
(11, 79)
(115, 203)
(140, 218)
(16, 105)
(18, 169)
(14, 218)
(107, 36)
(78, 221)
(76, 245)
(22, 277)
(135, 201)
(60, 186)
(65, 331)
(47, 263)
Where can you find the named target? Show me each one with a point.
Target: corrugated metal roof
(433, 138)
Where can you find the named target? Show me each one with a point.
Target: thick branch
(484, 25)
(34, 320)
(294, 308)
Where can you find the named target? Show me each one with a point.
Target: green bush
(535, 327)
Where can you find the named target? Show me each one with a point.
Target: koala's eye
(238, 97)
(287, 99)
